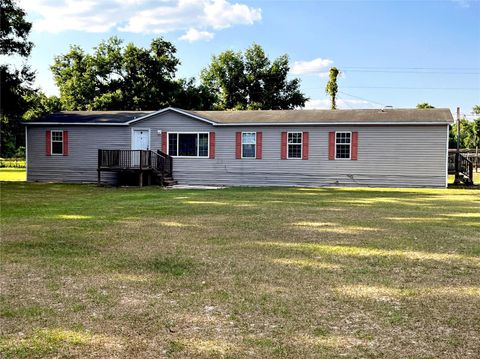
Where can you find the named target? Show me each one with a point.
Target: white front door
(140, 141)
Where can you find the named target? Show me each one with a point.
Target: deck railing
(465, 166)
(136, 160)
(162, 163)
(124, 159)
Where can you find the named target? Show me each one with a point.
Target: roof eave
(186, 113)
(232, 124)
(397, 123)
(26, 123)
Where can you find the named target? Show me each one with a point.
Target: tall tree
(117, 77)
(14, 30)
(472, 138)
(424, 105)
(332, 87)
(16, 83)
(39, 104)
(250, 80)
(476, 110)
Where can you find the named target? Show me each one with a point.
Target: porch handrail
(465, 166)
(124, 159)
(162, 163)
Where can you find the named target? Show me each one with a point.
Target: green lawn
(13, 174)
(239, 273)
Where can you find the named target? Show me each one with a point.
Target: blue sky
(395, 53)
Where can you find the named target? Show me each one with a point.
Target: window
(249, 142)
(57, 142)
(294, 145)
(188, 144)
(343, 141)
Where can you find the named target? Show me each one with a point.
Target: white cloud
(316, 66)
(341, 104)
(194, 35)
(221, 14)
(139, 16)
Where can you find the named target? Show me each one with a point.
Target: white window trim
(198, 142)
(350, 146)
(52, 141)
(241, 143)
(301, 146)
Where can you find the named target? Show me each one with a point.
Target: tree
(250, 80)
(424, 105)
(191, 96)
(117, 77)
(40, 105)
(332, 87)
(472, 137)
(14, 30)
(469, 132)
(15, 82)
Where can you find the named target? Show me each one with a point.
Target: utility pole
(457, 153)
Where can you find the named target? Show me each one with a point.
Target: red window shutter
(238, 145)
(48, 143)
(283, 148)
(354, 146)
(305, 146)
(212, 145)
(331, 145)
(164, 142)
(65, 143)
(259, 146)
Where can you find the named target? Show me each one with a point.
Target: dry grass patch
(239, 273)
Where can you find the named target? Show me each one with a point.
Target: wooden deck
(157, 166)
(461, 166)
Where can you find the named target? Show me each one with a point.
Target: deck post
(98, 166)
(470, 173)
(457, 153)
(140, 176)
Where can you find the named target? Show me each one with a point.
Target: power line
(401, 88)
(414, 88)
(362, 98)
(345, 102)
(426, 72)
(412, 68)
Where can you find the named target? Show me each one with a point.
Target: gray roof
(91, 117)
(328, 116)
(271, 117)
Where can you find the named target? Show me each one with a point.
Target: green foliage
(332, 87)
(424, 105)
(250, 80)
(14, 30)
(39, 104)
(20, 152)
(15, 82)
(469, 133)
(189, 95)
(118, 77)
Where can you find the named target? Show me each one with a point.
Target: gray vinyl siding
(396, 156)
(81, 163)
(390, 156)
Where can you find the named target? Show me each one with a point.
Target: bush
(12, 162)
